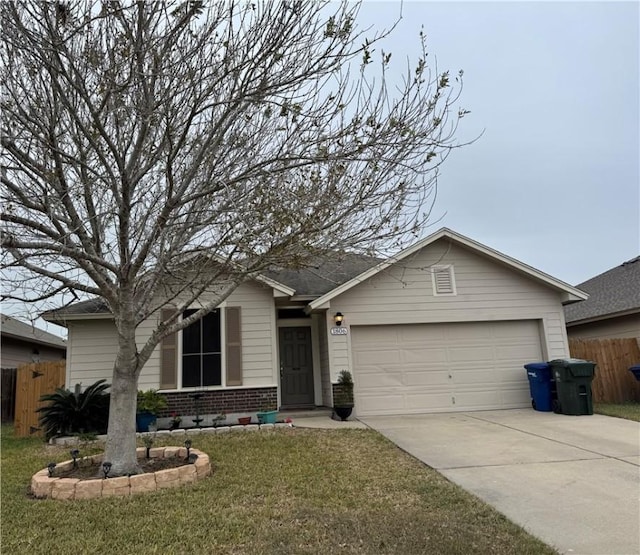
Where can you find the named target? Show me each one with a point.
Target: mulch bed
(91, 472)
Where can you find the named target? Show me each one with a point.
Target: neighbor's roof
(10, 327)
(570, 294)
(613, 293)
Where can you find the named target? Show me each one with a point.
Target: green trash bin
(573, 384)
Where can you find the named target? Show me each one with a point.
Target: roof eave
(279, 289)
(62, 319)
(569, 298)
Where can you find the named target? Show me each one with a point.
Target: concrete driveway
(572, 481)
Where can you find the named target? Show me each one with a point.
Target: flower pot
(267, 417)
(343, 412)
(143, 420)
(244, 420)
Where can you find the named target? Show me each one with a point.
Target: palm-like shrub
(74, 412)
(343, 392)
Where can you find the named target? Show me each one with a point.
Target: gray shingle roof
(11, 327)
(613, 292)
(92, 306)
(326, 273)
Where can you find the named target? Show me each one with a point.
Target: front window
(202, 351)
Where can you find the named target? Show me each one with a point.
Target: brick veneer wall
(221, 401)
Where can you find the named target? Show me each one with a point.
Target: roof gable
(612, 293)
(569, 293)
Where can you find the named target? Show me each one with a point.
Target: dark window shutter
(234, 345)
(168, 356)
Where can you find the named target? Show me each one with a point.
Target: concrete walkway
(320, 418)
(572, 481)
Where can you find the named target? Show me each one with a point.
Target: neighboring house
(613, 307)
(446, 325)
(23, 343)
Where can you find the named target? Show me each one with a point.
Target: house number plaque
(338, 330)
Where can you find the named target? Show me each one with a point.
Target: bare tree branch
(157, 152)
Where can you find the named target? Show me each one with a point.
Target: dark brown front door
(296, 368)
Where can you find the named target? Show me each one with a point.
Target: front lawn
(287, 491)
(630, 411)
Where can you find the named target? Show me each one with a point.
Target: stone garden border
(42, 486)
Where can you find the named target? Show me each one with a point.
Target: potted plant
(343, 395)
(267, 415)
(150, 403)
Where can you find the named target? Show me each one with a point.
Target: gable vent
(443, 280)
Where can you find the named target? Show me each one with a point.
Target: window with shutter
(443, 280)
(202, 351)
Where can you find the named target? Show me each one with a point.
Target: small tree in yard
(160, 151)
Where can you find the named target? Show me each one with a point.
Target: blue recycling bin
(635, 370)
(540, 385)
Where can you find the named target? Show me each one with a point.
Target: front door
(296, 368)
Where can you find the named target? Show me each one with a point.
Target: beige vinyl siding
(93, 343)
(623, 326)
(325, 375)
(258, 325)
(339, 355)
(259, 335)
(485, 291)
(92, 348)
(317, 321)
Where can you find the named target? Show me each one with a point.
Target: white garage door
(406, 369)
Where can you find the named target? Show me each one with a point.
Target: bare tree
(145, 140)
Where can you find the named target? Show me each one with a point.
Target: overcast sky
(554, 180)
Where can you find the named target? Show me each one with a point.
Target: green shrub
(75, 412)
(151, 401)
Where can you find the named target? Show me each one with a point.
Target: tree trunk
(121, 441)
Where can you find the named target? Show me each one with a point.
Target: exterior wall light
(338, 318)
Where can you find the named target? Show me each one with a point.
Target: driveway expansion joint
(523, 463)
(602, 455)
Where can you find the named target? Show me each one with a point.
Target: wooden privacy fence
(613, 382)
(8, 389)
(33, 381)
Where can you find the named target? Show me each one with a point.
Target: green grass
(290, 491)
(630, 411)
